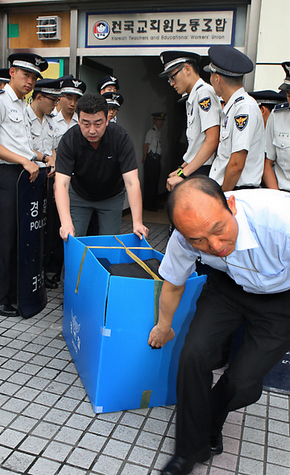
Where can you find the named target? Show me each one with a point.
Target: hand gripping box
(107, 320)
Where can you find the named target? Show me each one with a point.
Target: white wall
(273, 44)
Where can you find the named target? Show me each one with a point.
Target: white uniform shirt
(203, 112)
(278, 144)
(62, 126)
(14, 127)
(260, 262)
(153, 139)
(43, 133)
(242, 128)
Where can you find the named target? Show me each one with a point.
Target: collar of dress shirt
(193, 91)
(238, 93)
(245, 239)
(12, 93)
(31, 114)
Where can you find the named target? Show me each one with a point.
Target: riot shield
(32, 210)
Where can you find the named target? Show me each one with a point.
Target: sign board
(160, 29)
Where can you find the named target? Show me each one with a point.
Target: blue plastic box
(106, 324)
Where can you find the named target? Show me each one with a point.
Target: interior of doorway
(144, 93)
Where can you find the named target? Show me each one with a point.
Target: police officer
(267, 100)
(240, 157)
(277, 162)
(4, 77)
(114, 101)
(16, 154)
(108, 84)
(42, 126)
(151, 159)
(203, 113)
(71, 90)
(43, 132)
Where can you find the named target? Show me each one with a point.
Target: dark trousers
(221, 308)
(152, 168)
(8, 225)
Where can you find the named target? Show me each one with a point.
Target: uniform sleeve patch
(241, 121)
(205, 104)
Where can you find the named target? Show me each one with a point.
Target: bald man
(245, 237)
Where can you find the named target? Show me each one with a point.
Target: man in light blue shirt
(245, 237)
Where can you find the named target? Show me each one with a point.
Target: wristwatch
(44, 157)
(180, 173)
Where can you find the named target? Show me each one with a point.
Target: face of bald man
(206, 224)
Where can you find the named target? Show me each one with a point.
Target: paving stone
(19, 461)
(81, 458)
(57, 451)
(43, 466)
(11, 438)
(117, 449)
(106, 465)
(33, 444)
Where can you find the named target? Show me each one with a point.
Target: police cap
(173, 59)
(228, 61)
(159, 115)
(267, 97)
(285, 86)
(72, 86)
(108, 81)
(29, 62)
(48, 86)
(4, 75)
(113, 99)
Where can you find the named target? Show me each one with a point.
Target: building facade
(124, 38)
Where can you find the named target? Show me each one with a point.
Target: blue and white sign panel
(163, 29)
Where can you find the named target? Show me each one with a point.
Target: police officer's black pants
(221, 308)
(152, 169)
(8, 231)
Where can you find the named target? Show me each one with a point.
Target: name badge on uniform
(205, 104)
(241, 121)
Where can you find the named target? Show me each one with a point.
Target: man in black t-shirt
(95, 163)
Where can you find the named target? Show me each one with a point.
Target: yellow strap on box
(128, 251)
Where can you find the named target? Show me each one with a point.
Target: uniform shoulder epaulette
(198, 87)
(281, 107)
(2, 90)
(238, 99)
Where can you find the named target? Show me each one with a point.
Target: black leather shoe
(50, 283)
(56, 278)
(217, 444)
(6, 310)
(182, 466)
(177, 466)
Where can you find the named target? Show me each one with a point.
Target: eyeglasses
(55, 100)
(172, 78)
